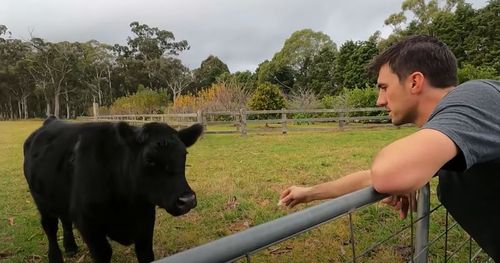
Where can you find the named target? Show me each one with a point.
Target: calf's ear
(127, 133)
(189, 135)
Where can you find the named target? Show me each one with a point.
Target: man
(459, 140)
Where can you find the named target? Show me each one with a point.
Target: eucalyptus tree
(151, 44)
(14, 84)
(51, 67)
(96, 66)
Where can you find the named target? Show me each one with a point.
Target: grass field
(237, 181)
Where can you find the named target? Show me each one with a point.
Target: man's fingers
(293, 203)
(386, 200)
(285, 200)
(285, 193)
(404, 207)
(414, 202)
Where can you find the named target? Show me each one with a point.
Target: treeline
(38, 78)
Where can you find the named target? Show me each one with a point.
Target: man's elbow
(389, 182)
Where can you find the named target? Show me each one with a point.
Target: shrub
(223, 96)
(267, 96)
(144, 101)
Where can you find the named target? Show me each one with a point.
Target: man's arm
(400, 168)
(296, 194)
(407, 164)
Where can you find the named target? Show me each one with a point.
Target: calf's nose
(186, 201)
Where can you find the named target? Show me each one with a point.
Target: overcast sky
(242, 33)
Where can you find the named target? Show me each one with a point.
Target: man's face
(396, 96)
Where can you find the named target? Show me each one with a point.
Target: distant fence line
(244, 121)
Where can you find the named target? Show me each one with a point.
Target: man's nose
(381, 101)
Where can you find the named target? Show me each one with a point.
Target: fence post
(243, 122)
(341, 120)
(95, 107)
(422, 226)
(200, 119)
(283, 121)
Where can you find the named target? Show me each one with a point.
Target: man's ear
(417, 82)
(127, 133)
(189, 135)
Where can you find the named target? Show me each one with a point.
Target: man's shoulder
(480, 83)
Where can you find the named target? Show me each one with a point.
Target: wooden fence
(245, 121)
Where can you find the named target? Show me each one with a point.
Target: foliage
(304, 62)
(350, 70)
(469, 72)
(145, 101)
(245, 79)
(267, 96)
(208, 72)
(152, 42)
(355, 98)
(225, 96)
(471, 34)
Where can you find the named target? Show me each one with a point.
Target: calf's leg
(144, 240)
(98, 245)
(144, 250)
(70, 247)
(49, 224)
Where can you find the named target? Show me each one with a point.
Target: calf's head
(159, 169)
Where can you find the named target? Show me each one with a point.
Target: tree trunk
(47, 110)
(19, 109)
(11, 109)
(25, 102)
(110, 87)
(57, 106)
(67, 104)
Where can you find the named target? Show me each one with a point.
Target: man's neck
(429, 101)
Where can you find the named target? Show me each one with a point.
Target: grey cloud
(241, 33)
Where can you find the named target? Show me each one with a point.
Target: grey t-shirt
(469, 184)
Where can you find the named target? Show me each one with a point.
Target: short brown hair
(425, 54)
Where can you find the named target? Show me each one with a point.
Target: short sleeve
(470, 116)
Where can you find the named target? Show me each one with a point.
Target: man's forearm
(341, 186)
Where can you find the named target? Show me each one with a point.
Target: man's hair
(424, 54)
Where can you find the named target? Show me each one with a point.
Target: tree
(148, 47)
(152, 43)
(51, 66)
(176, 76)
(208, 72)
(16, 86)
(350, 70)
(294, 66)
(95, 67)
(423, 14)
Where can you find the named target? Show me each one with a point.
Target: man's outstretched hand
(402, 203)
(295, 195)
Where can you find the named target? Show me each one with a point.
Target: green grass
(237, 181)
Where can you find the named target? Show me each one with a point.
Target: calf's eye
(150, 162)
